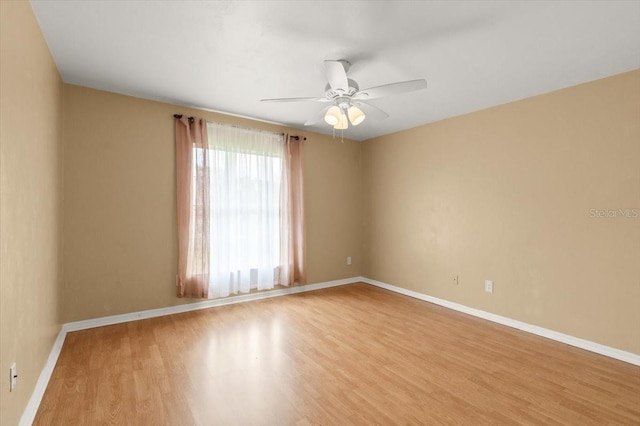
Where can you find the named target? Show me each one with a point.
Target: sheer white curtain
(248, 232)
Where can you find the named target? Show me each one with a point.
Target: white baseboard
(29, 413)
(588, 345)
(187, 307)
(31, 409)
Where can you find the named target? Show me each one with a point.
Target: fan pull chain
(341, 134)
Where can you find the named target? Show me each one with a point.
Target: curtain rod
(190, 118)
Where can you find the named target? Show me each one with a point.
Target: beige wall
(120, 223)
(505, 194)
(30, 204)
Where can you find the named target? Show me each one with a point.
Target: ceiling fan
(348, 104)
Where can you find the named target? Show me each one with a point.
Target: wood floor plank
(353, 354)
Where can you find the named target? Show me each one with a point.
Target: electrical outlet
(455, 280)
(348, 260)
(488, 286)
(13, 377)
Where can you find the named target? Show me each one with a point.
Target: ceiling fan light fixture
(333, 116)
(343, 123)
(356, 116)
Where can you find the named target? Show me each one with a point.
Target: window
(245, 212)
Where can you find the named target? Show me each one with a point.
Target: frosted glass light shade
(343, 123)
(332, 117)
(356, 116)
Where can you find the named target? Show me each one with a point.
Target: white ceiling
(227, 55)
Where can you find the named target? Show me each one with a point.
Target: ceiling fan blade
(295, 100)
(371, 111)
(317, 117)
(391, 89)
(336, 75)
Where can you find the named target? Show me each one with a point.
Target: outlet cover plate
(488, 286)
(13, 377)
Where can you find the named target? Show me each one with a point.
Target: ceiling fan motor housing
(332, 94)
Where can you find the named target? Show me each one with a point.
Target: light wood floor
(354, 354)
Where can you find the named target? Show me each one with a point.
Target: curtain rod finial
(179, 116)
